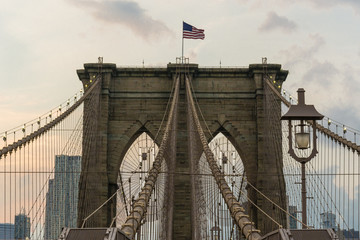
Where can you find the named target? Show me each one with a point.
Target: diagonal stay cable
(132, 222)
(238, 213)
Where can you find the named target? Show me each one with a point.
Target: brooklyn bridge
(182, 152)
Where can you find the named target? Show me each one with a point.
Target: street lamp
(307, 115)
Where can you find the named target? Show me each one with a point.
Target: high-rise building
(22, 226)
(7, 231)
(62, 196)
(328, 220)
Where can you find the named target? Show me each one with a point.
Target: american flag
(192, 32)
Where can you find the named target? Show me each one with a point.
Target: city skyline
(59, 204)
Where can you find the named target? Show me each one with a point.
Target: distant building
(22, 226)
(49, 210)
(62, 196)
(292, 221)
(7, 231)
(350, 234)
(328, 220)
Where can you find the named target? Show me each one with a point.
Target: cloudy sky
(44, 42)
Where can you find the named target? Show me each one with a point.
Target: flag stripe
(192, 32)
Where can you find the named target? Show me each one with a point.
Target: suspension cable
(48, 126)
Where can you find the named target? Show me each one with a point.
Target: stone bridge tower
(133, 100)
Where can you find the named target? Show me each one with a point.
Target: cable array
(40, 166)
(332, 175)
(238, 213)
(133, 221)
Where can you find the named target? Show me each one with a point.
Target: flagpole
(192, 33)
(182, 51)
(182, 55)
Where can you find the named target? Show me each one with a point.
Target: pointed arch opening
(132, 175)
(216, 220)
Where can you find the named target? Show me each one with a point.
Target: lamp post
(307, 115)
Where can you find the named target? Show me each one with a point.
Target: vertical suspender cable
(10, 193)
